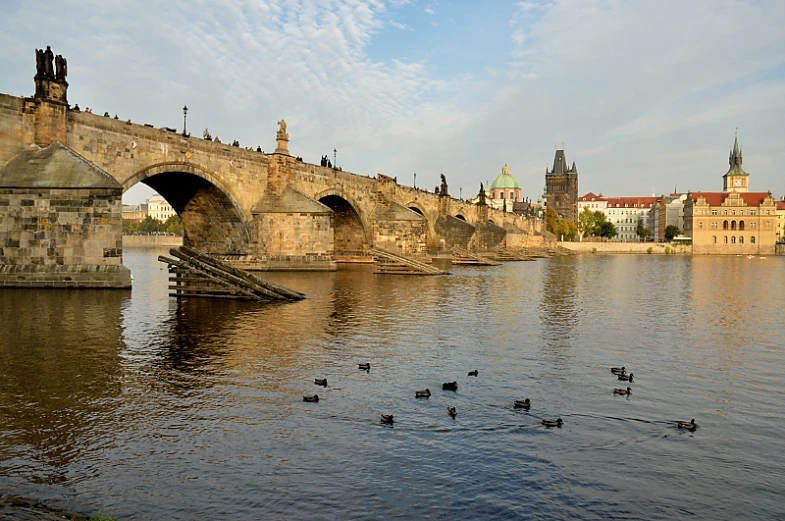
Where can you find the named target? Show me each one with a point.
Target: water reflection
(59, 373)
(559, 310)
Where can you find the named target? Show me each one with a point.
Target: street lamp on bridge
(415, 180)
(185, 115)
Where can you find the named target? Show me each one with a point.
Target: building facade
(504, 191)
(781, 220)
(623, 212)
(561, 187)
(734, 221)
(159, 209)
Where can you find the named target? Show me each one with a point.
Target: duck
(618, 370)
(523, 404)
(450, 386)
(452, 412)
(623, 392)
(388, 419)
(625, 378)
(422, 394)
(473, 373)
(690, 425)
(309, 398)
(553, 423)
(320, 381)
(364, 367)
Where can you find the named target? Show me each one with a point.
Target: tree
(671, 231)
(586, 222)
(607, 230)
(558, 226)
(642, 232)
(174, 225)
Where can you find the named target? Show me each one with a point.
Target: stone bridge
(263, 211)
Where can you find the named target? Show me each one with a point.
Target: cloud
(641, 93)
(429, 10)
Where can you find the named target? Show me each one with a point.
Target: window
(752, 239)
(733, 240)
(725, 212)
(733, 225)
(724, 225)
(741, 240)
(714, 211)
(753, 212)
(714, 239)
(753, 225)
(714, 225)
(741, 225)
(700, 224)
(725, 239)
(700, 211)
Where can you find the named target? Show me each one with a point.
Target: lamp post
(185, 115)
(460, 193)
(415, 180)
(335, 158)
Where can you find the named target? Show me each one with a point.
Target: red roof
(717, 198)
(780, 205)
(591, 197)
(631, 202)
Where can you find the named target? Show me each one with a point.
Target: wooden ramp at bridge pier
(389, 263)
(197, 274)
(463, 256)
(504, 255)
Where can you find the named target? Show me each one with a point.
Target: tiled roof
(780, 205)
(717, 198)
(591, 197)
(631, 202)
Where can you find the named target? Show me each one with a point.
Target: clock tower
(736, 179)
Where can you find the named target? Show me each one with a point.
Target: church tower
(736, 179)
(561, 187)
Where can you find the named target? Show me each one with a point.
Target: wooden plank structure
(463, 256)
(389, 263)
(197, 274)
(503, 254)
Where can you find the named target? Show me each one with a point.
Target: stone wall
(15, 132)
(453, 232)
(152, 241)
(625, 247)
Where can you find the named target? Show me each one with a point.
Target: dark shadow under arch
(350, 236)
(212, 220)
(461, 217)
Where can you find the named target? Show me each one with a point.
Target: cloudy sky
(645, 95)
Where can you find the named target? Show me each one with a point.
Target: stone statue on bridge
(481, 196)
(61, 68)
(443, 188)
(283, 139)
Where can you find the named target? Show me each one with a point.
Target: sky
(645, 96)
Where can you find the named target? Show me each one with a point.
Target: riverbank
(152, 241)
(661, 248)
(14, 508)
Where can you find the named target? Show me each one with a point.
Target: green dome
(505, 180)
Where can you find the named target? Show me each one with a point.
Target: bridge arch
(461, 217)
(350, 225)
(213, 220)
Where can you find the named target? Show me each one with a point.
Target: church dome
(505, 180)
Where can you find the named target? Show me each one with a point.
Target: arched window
(714, 239)
(733, 240)
(752, 239)
(725, 239)
(741, 240)
(733, 225)
(741, 225)
(725, 225)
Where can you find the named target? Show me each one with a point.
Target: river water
(148, 408)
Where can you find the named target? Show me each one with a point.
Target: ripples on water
(148, 408)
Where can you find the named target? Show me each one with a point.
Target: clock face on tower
(737, 182)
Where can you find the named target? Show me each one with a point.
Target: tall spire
(735, 158)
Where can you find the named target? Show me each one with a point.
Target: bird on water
(623, 392)
(473, 373)
(690, 425)
(320, 381)
(450, 386)
(553, 423)
(625, 378)
(422, 394)
(309, 398)
(452, 412)
(388, 419)
(523, 404)
(364, 367)
(618, 370)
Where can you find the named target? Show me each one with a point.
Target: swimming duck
(624, 392)
(690, 425)
(450, 386)
(309, 398)
(388, 418)
(452, 412)
(473, 373)
(625, 378)
(553, 423)
(364, 367)
(618, 370)
(320, 381)
(422, 394)
(523, 404)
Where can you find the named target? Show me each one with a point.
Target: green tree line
(595, 224)
(150, 225)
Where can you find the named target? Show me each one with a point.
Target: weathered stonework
(60, 222)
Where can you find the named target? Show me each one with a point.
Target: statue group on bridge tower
(50, 74)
